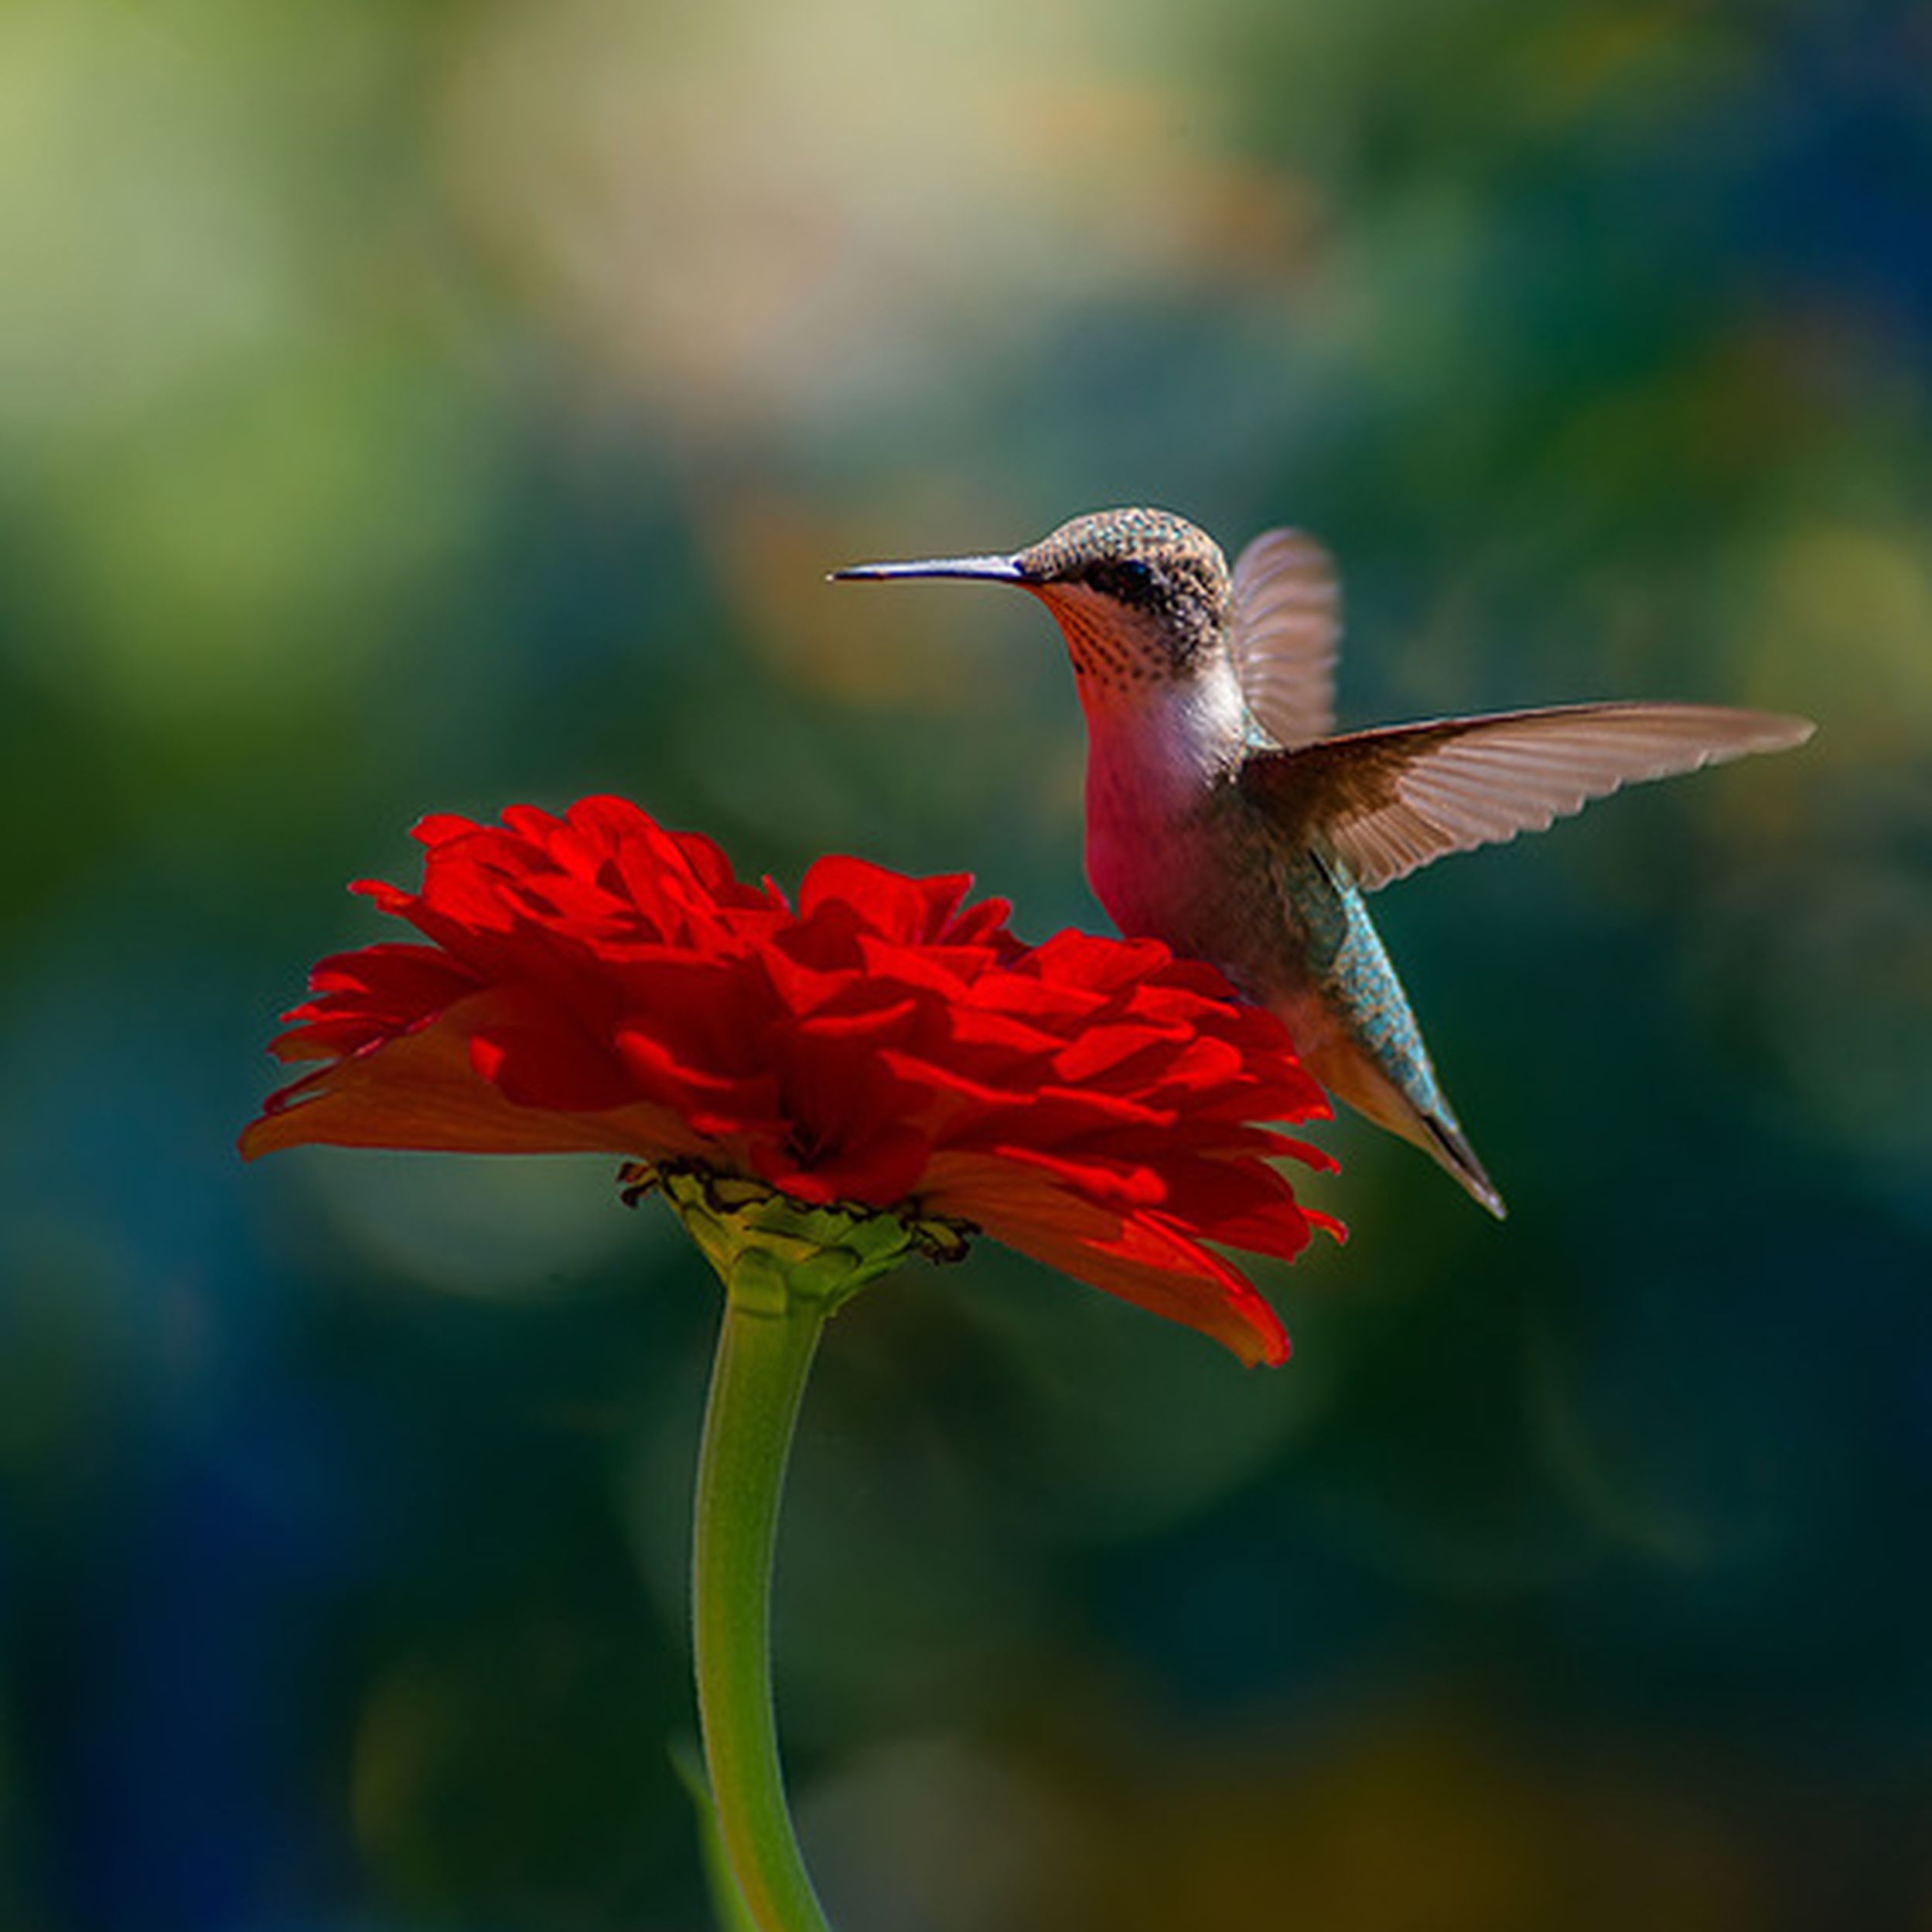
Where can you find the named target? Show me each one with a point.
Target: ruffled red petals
(595, 981)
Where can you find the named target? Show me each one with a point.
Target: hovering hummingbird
(1226, 817)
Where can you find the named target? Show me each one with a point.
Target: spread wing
(1388, 801)
(1286, 622)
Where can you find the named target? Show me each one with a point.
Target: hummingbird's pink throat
(1098, 642)
(1109, 646)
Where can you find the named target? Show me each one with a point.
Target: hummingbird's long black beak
(995, 570)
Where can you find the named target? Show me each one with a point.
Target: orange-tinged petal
(420, 1091)
(1141, 1257)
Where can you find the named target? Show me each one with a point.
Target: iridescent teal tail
(1451, 1148)
(1370, 1051)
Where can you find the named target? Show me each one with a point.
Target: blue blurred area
(438, 407)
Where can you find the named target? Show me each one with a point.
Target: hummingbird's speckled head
(1142, 596)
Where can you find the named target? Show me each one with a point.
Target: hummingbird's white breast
(1157, 754)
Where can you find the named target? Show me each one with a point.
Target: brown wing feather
(1388, 801)
(1286, 623)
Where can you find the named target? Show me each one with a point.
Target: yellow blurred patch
(1419, 1821)
(1838, 624)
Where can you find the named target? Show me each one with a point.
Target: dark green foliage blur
(443, 406)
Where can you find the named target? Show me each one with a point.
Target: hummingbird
(1228, 817)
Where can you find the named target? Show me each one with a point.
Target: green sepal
(772, 1251)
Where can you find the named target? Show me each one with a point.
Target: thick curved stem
(758, 1378)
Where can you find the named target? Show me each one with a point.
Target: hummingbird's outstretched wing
(1387, 801)
(1286, 621)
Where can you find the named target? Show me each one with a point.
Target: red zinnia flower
(596, 983)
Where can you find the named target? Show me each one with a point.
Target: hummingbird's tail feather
(1401, 1095)
(1452, 1150)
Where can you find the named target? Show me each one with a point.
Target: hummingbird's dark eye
(1130, 579)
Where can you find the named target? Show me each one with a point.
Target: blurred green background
(438, 406)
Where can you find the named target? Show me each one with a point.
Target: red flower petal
(1144, 1258)
(914, 911)
(594, 981)
(420, 1089)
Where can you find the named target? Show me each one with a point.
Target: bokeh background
(441, 405)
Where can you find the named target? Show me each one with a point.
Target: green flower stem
(757, 1381)
(786, 1266)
